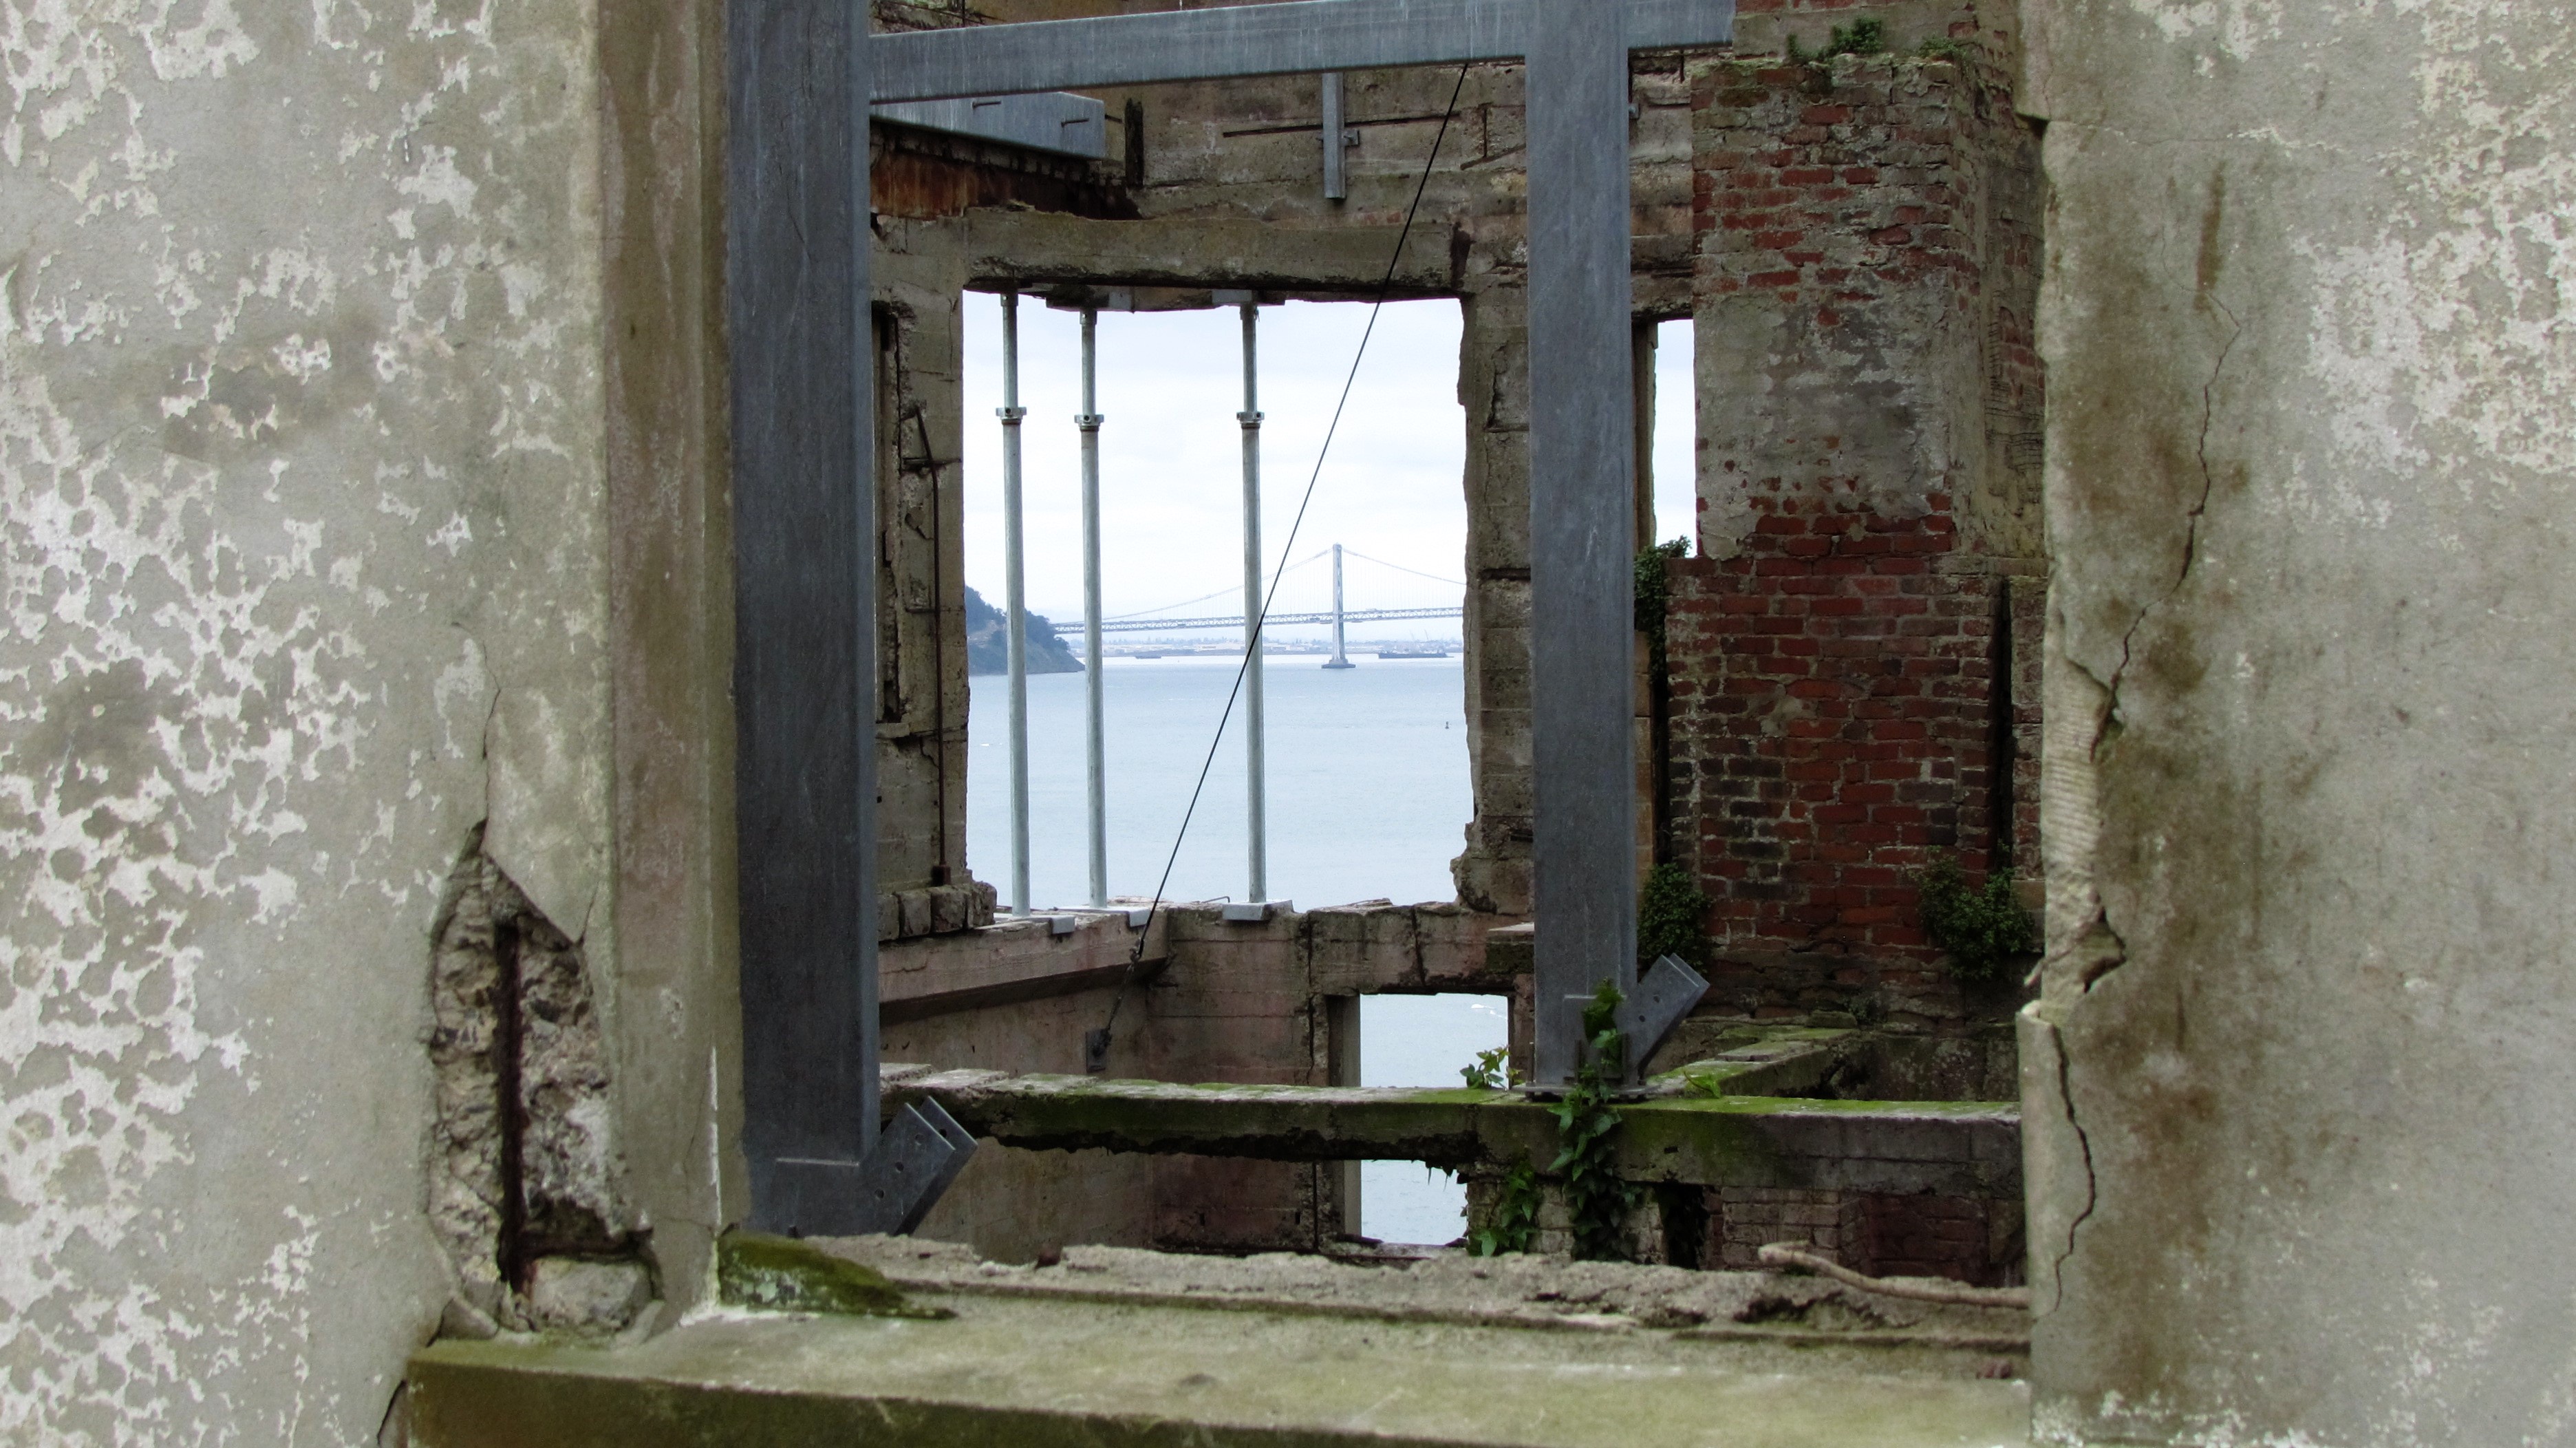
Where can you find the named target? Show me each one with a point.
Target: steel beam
(804, 390)
(1249, 40)
(1582, 610)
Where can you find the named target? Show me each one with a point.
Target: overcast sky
(1170, 456)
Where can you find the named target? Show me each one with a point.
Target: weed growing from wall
(1596, 1198)
(1492, 1071)
(1672, 918)
(1514, 1218)
(1655, 594)
(1983, 929)
(1861, 37)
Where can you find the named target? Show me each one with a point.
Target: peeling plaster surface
(2299, 1139)
(299, 430)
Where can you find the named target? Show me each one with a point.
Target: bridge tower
(1337, 661)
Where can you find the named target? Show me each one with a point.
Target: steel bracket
(902, 1177)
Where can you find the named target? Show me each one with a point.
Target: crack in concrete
(2192, 519)
(2092, 1190)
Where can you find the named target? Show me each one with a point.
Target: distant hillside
(988, 642)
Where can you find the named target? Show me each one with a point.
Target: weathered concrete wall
(326, 338)
(2298, 1083)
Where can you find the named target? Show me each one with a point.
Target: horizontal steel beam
(1244, 40)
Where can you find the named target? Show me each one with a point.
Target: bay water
(1368, 798)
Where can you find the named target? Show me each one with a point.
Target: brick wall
(1742, 1220)
(1966, 1239)
(1851, 656)
(1831, 708)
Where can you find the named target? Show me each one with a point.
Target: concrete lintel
(1957, 1148)
(1013, 959)
(1029, 249)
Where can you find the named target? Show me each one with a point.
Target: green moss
(781, 1274)
(1677, 1106)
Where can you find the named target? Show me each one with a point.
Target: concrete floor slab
(1038, 1373)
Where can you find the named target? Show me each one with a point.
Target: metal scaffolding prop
(1095, 769)
(1256, 768)
(1015, 606)
(802, 74)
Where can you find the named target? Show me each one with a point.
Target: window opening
(1368, 784)
(1426, 1040)
(1676, 434)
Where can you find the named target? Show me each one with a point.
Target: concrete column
(2296, 1089)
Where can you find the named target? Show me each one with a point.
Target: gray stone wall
(2296, 1090)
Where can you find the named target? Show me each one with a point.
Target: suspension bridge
(1276, 620)
(1159, 620)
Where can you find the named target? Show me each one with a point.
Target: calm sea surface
(1368, 797)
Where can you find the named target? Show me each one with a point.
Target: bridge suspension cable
(1235, 621)
(1400, 568)
(1220, 593)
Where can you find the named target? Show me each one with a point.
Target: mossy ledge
(780, 1274)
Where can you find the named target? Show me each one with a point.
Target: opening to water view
(1420, 1041)
(1367, 786)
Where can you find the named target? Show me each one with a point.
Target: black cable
(1096, 1049)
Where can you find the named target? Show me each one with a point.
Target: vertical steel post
(1582, 520)
(1015, 600)
(865, 679)
(1337, 661)
(1337, 184)
(1094, 769)
(1255, 823)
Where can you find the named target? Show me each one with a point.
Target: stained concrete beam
(1012, 960)
(1950, 1147)
(1033, 248)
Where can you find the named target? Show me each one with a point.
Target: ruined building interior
(2130, 487)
